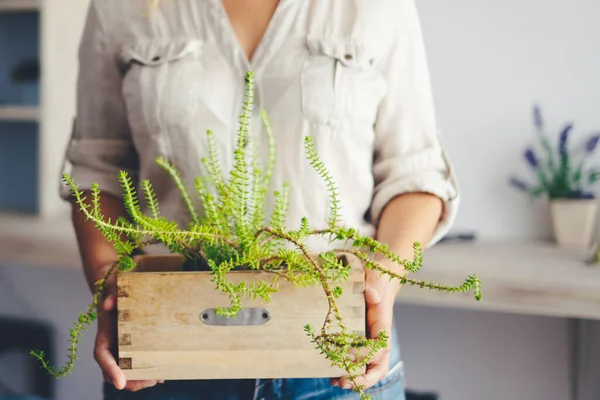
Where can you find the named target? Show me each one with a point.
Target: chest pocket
(341, 88)
(159, 85)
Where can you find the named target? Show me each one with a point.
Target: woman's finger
(374, 373)
(134, 386)
(107, 363)
(103, 354)
(109, 303)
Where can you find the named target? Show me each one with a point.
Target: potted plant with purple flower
(564, 175)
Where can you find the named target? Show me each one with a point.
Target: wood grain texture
(527, 278)
(235, 364)
(162, 336)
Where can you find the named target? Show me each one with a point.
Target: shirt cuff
(99, 161)
(432, 181)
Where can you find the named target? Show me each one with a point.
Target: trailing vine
(230, 231)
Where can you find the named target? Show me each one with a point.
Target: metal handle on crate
(244, 317)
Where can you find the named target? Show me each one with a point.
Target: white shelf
(19, 113)
(56, 44)
(19, 5)
(28, 240)
(535, 278)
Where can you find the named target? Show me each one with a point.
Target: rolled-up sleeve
(100, 145)
(409, 156)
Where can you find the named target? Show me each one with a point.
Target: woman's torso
(317, 75)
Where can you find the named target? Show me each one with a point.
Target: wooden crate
(162, 334)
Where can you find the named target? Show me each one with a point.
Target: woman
(352, 74)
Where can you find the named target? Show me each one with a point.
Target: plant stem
(80, 326)
(470, 283)
(333, 307)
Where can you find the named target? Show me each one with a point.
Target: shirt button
(157, 58)
(348, 57)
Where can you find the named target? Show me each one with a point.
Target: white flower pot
(574, 222)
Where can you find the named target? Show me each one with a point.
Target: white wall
(62, 24)
(471, 355)
(490, 60)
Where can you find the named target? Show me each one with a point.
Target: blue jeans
(391, 387)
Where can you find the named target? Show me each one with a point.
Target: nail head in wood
(125, 363)
(124, 315)
(125, 339)
(123, 291)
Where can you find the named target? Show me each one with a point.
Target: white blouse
(352, 74)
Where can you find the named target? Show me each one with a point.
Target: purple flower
(531, 158)
(537, 117)
(563, 139)
(519, 184)
(592, 143)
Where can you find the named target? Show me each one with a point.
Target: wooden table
(31, 241)
(529, 278)
(519, 277)
(535, 278)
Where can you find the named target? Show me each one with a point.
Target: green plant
(562, 173)
(230, 231)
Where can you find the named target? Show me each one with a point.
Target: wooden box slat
(217, 364)
(161, 334)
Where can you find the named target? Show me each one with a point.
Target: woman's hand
(98, 255)
(106, 337)
(380, 295)
(408, 218)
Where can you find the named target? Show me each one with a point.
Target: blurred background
(534, 336)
